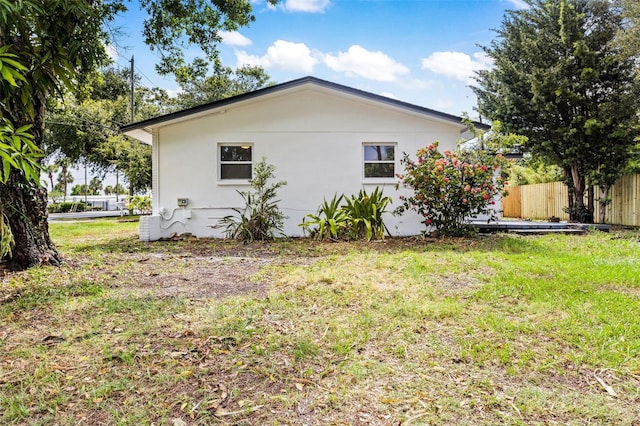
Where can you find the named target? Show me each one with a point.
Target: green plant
(360, 216)
(365, 214)
(6, 236)
(66, 207)
(331, 220)
(450, 188)
(260, 219)
(17, 152)
(142, 203)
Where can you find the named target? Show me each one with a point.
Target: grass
(491, 330)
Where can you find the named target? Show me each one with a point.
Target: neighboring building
(323, 138)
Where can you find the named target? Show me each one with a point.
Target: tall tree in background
(561, 81)
(200, 89)
(65, 178)
(59, 43)
(629, 36)
(629, 42)
(84, 128)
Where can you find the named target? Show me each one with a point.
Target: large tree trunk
(578, 211)
(25, 205)
(603, 202)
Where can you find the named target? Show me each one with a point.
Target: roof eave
(144, 134)
(146, 125)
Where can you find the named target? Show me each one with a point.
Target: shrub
(260, 218)
(451, 188)
(359, 217)
(66, 207)
(365, 214)
(331, 221)
(140, 203)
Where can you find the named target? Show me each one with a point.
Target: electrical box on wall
(183, 202)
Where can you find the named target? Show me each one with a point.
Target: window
(379, 161)
(235, 162)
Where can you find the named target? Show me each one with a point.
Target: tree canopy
(224, 82)
(561, 81)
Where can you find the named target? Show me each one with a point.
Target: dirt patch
(203, 277)
(200, 277)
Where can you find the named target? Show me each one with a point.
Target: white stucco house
(322, 137)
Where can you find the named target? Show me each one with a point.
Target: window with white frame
(235, 161)
(379, 160)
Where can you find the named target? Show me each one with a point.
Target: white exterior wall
(314, 139)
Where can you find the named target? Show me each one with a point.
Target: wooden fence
(544, 200)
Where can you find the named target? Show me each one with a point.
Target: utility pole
(133, 112)
(132, 91)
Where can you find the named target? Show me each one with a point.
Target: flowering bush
(452, 187)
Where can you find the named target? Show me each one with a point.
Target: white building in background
(322, 137)
(99, 202)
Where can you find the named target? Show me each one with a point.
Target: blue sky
(418, 51)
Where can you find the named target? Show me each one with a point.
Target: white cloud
(112, 52)
(457, 65)
(234, 38)
(308, 6)
(519, 4)
(389, 95)
(174, 92)
(371, 65)
(286, 55)
(262, 3)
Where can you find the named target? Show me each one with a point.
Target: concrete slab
(531, 227)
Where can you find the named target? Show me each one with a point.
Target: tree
(60, 44)
(50, 169)
(560, 81)
(18, 154)
(95, 186)
(629, 36)
(119, 189)
(85, 127)
(223, 83)
(65, 177)
(80, 189)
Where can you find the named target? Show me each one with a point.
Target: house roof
(141, 130)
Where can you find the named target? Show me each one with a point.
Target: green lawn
(492, 330)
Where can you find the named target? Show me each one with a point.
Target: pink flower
(493, 202)
(428, 221)
(431, 146)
